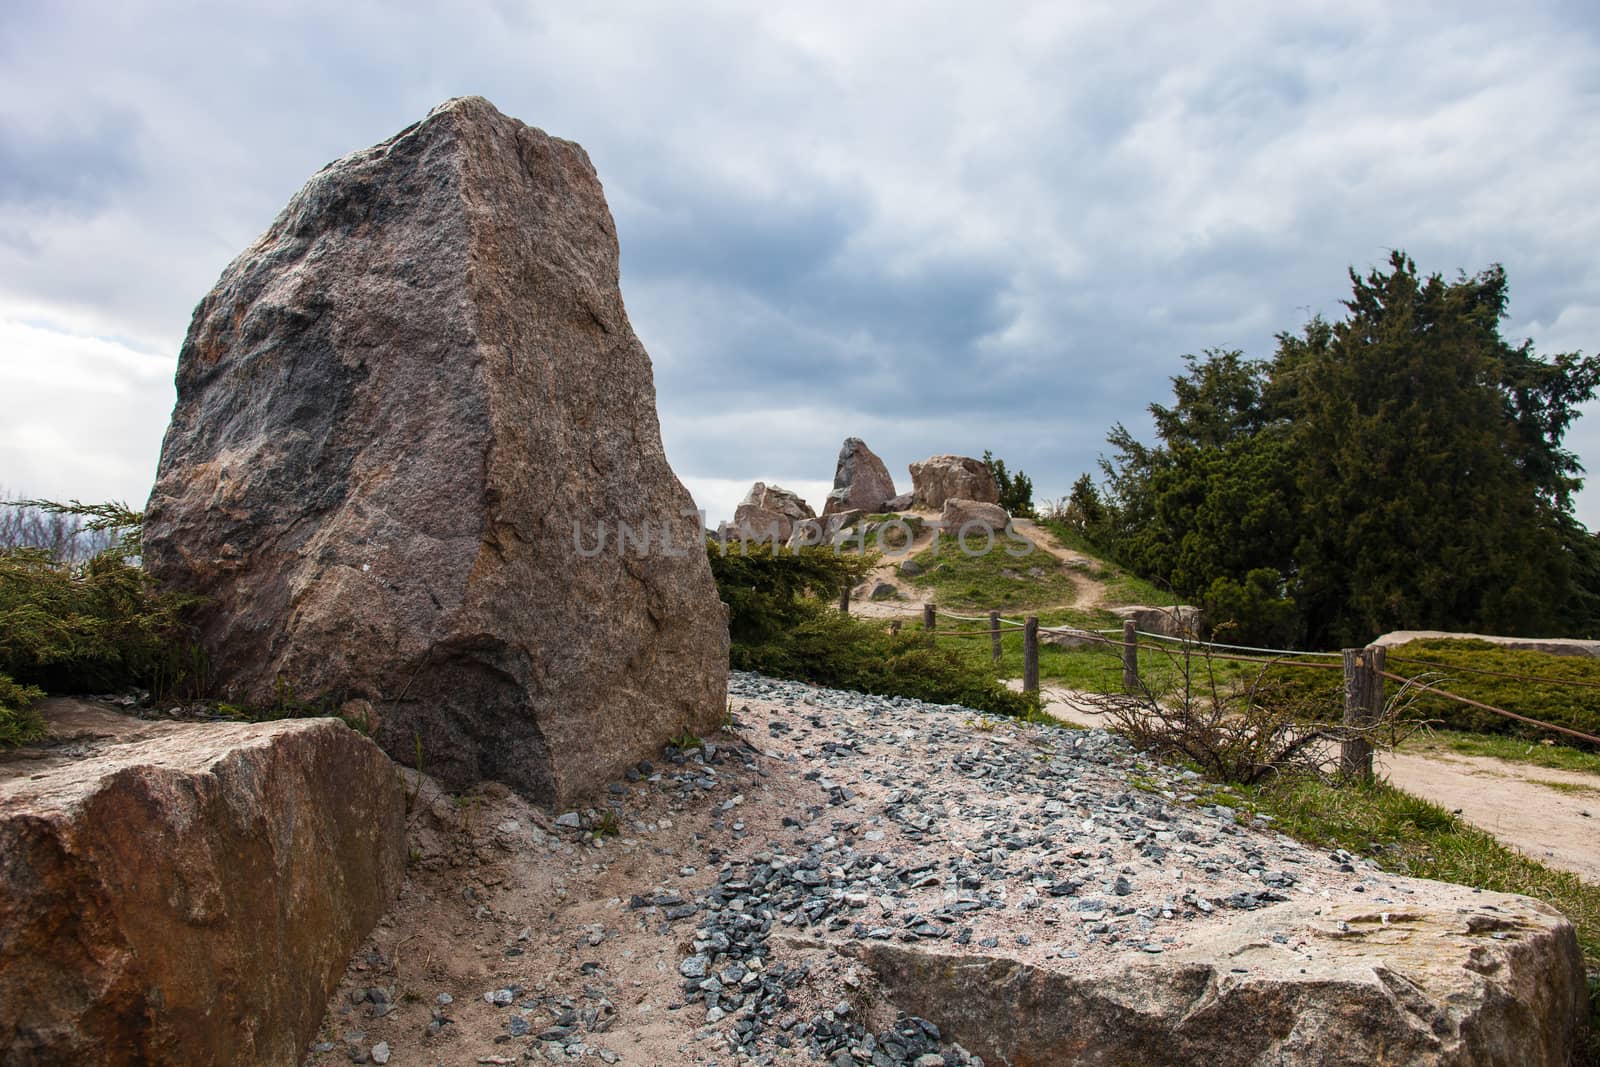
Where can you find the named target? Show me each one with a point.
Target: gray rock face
(860, 482)
(1178, 620)
(972, 515)
(902, 502)
(181, 893)
(415, 459)
(770, 511)
(938, 478)
(1480, 979)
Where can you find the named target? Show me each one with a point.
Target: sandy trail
(1558, 826)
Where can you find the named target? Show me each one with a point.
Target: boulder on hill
(860, 481)
(770, 511)
(902, 502)
(938, 478)
(973, 516)
(178, 893)
(415, 459)
(1178, 620)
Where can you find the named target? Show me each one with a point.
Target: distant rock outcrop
(770, 511)
(938, 478)
(860, 481)
(415, 459)
(902, 502)
(183, 893)
(972, 515)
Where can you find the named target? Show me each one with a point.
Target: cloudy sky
(942, 228)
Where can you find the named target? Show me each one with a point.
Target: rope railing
(1237, 648)
(1363, 669)
(1480, 705)
(1500, 674)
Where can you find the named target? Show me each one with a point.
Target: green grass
(1070, 539)
(1123, 589)
(994, 579)
(1512, 749)
(1570, 788)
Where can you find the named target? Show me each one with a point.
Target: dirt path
(1557, 825)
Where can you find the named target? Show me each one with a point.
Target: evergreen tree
(1400, 468)
(1016, 490)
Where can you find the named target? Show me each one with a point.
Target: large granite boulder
(1466, 979)
(182, 893)
(769, 512)
(415, 460)
(973, 516)
(860, 480)
(938, 478)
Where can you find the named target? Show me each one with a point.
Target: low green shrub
(19, 723)
(1573, 706)
(781, 623)
(73, 628)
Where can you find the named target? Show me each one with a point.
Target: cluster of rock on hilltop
(960, 489)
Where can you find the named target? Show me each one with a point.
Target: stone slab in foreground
(181, 893)
(1469, 978)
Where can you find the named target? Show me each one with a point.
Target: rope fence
(1364, 670)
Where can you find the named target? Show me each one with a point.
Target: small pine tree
(1086, 512)
(1016, 490)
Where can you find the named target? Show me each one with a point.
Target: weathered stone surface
(972, 515)
(938, 478)
(1177, 620)
(1078, 639)
(1555, 646)
(902, 502)
(860, 481)
(770, 511)
(415, 459)
(826, 529)
(1468, 978)
(182, 893)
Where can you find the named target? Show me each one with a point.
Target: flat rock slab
(1470, 978)
(1555, 646)
(182, 893)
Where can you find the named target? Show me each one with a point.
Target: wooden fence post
(1363, 703)
(1130, 656)
(928, 620)
(994, 635)
(1030, 655)
(894, 627)
(844, 599)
